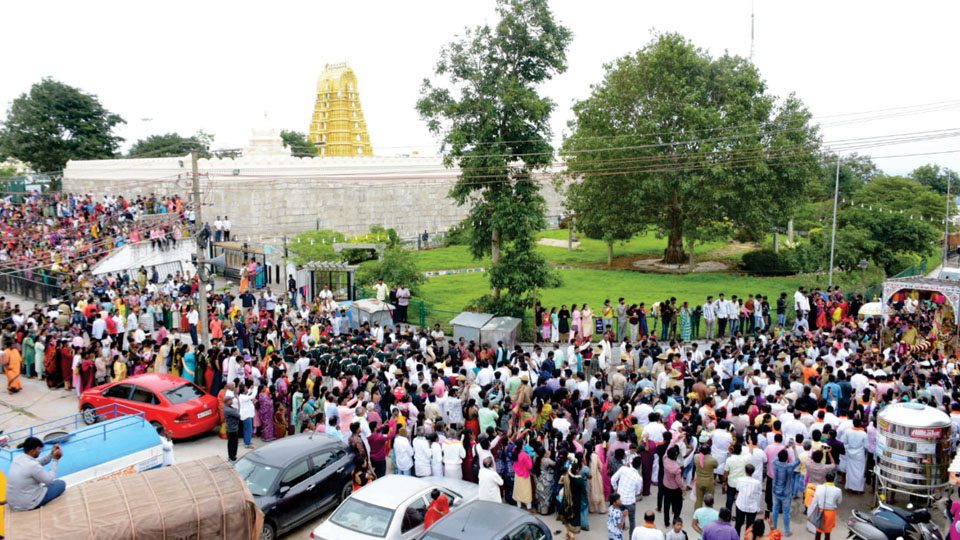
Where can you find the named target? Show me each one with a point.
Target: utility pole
(833, 235)
(751, 31)
(946, 227)
(201, 260)
(283, 278)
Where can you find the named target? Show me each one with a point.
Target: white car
(392, 508)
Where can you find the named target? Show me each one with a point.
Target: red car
(181, 407)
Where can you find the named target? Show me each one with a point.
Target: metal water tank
(913, 450)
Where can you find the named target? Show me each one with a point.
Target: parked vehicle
(181, 407)
(888, 522)
(121, 445)
(486, 520)
(392, 508)
(295, 479)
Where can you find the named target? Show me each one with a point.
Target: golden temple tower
(338, 128)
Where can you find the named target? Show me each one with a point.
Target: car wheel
(88, 414)
(156, 425)
(268, 532)
(345, 491)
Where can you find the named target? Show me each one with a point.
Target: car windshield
(183, 394)
(363, 517)
(259, 477)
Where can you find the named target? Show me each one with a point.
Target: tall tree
(55, 123)
(485, 106)
(171, 145)
(298, 144)
(906, 195)
(936, 177)
(694, 143)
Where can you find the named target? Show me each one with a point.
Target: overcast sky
(218, 66)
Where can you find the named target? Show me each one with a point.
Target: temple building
(338, 128)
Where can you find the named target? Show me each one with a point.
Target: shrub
(766, 262)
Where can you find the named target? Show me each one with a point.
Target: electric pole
(201, 260)
(833, 235)
(283, 278)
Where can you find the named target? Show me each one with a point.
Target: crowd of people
(758, 420)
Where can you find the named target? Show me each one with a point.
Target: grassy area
(456, 291)
(589, 252)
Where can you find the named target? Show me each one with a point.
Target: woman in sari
(599, 490)
(543, 471)
(280, 419)
(546, 324)
(586, 321)
(244, 278)
(685, 327)
(190, 366)
(574, 497)
(296, 403)
(554, 325)
(265, 413)
(575, 327)
(51, 365)
(12, 365)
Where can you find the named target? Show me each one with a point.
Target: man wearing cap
(29, 485)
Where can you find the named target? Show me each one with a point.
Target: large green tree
(54, 123)
(693, 143)
(494, 125)
(298, 144)
(936, 177)
(901, 194)
(171, 145)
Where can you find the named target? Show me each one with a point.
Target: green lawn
(589, 252)
(454, 292)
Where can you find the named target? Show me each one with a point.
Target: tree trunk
(674, 253)
(692, 251)
(495, 255)
(609, 254)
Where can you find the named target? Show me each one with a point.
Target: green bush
(460, 234)
(766, 262)
(803, 259)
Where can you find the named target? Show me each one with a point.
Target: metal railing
(73, 423)
(39, 288)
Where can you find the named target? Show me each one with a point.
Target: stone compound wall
(269, 195)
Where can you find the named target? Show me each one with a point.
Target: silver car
(392, 507)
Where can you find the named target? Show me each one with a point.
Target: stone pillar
(790, 231)
(776, 241)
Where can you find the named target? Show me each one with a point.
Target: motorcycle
(887, 522)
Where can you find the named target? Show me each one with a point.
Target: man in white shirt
(489, 482)
(720, 308)
(801, 303)
(381, 289)
(749, 499)
(29, 485)
(217, 230)
(628, 483)
(226, 228)
(710, 317)
(649, 531)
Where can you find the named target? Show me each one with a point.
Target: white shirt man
(628, 483)
(218, 225)
(490, 483)
(381, 288)
(800, 302)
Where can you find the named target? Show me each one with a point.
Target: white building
(267, 192)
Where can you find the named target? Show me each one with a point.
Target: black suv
(295, 479)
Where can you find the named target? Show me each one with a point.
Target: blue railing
(75, 422)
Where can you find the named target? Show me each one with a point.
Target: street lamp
(863, 275)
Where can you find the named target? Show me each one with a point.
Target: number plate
(205, 414)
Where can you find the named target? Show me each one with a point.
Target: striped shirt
(749, 495)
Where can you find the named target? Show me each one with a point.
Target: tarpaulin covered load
(196, 499)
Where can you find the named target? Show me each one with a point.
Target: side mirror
(910, 506)
(284, 490)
